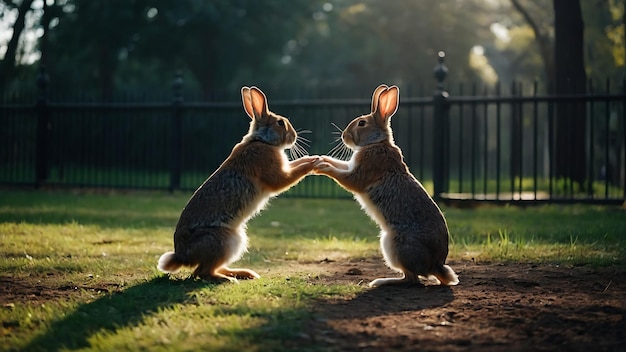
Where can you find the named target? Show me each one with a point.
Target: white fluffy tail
(169, 263)
(447, 276)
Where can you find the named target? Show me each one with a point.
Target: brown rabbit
(211, 231)
(414, 233)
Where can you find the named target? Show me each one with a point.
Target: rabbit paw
(308, 162)
(323, 167)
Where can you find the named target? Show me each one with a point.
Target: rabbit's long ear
(388, 101)
(254, 102)
(377, 92)
(247, 101)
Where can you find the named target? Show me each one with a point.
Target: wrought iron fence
(478, 147)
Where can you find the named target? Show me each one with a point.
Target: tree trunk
(570, 79)
(7, 66)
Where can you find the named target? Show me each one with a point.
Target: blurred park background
(527, 105)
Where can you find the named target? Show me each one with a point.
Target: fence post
(43, 128)
(176, 132)
(441, 109)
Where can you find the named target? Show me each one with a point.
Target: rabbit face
(374, 127)
(363, 131)
(275, 130)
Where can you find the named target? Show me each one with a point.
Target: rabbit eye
(281, 123)
(362, 123)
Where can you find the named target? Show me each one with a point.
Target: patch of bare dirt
(14, 290)
(512, 307)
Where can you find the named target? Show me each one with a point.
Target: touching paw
(322, 167)
(311, 159)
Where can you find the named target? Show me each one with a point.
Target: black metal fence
(480, 147)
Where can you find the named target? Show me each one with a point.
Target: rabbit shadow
(373, 313)
(114, 311)
(387, 300)
(383, 300)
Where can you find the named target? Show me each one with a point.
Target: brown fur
(211, 230)
(414, 233)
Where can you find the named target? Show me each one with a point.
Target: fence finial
(441, 71)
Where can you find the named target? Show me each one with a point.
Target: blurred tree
(563, 60)
(605, 49)
(93, 35)
(223, 44)
(363, 43)
(226, 43)
(536, 16)
(8, 68)
(215, 42)
(570, 79)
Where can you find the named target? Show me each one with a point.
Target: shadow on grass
(120, 309)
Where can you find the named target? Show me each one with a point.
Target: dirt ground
(512, 307)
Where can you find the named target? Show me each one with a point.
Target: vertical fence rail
(43, 129)
(622, 152)
(441, 129)
(176, 132)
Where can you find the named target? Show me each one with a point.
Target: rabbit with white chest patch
(211, 231)
(414, 233)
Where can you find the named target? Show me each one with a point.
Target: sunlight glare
(152, 12)
(500, 31)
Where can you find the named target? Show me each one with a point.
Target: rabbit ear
(247, 101)
(388, 101)
(254, 102)
(377, 92)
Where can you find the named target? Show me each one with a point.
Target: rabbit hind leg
(446, 275)
(238, 273)
(211, 273)
(214, 250)
(409, 278)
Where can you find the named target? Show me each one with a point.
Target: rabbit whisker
(297, 150)
(302, 150)
(305, 142)
(303, 139)
(340, 150)
(337, 127)
(295, 154)
(338, 145)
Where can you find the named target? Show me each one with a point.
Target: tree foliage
(104, 47)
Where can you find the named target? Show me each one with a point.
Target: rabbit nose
(346, 137)
(291, 137)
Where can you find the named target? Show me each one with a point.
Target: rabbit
(211, 230)
(414, 232)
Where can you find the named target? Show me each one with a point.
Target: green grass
(89, 260)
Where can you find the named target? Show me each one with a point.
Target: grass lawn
(84, 266)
